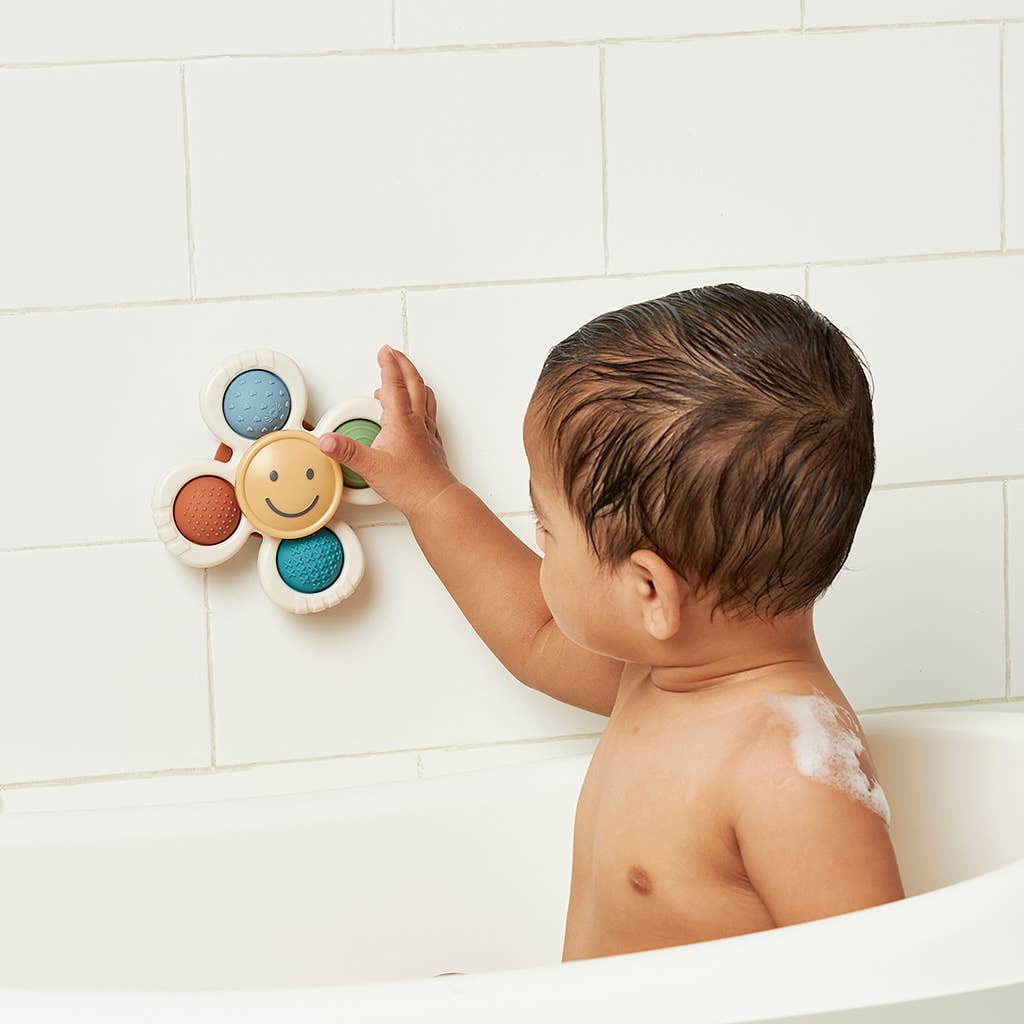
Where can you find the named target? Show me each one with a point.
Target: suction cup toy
(269, 478)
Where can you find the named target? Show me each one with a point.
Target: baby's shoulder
(795, 743)
(808, 817)
(771, 718)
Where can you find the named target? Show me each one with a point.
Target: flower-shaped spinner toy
(270, 478)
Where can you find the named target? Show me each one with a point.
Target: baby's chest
(653, 823)
(655, 863)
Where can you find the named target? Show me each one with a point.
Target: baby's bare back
(656, 855)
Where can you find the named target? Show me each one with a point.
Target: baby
(698, 466)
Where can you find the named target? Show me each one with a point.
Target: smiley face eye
(309, 474)
(273, 474)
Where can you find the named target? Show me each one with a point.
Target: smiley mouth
(293, 515)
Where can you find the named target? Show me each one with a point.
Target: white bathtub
(341, 905)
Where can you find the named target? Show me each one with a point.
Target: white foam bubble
(827, 749)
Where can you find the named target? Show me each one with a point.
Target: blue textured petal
(311, 564)
(256, 402)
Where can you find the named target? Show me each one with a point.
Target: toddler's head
(707, 452)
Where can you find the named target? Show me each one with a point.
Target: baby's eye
(309, 474)
(273, 474)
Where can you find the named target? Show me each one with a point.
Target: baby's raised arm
(491, 574)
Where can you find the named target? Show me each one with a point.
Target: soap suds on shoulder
(827, 749)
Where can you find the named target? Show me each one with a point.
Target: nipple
(827, 749)
(640, 880)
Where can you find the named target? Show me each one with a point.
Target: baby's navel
(640, 880)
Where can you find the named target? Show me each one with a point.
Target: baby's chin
(621, 645)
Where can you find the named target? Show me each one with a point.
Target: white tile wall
(395, 666)
(444, 22)
(92, 186)
(1015, 506)
(394, 171)
(471, 166)
(818, 13)
(917, 614)
(482, 348)
(942, 339)
(103, 663)
(115, 392)
(816, 161)
(1014, 126)
(53, 31)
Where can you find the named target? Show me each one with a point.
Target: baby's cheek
(544, 581)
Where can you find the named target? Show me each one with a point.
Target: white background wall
(472, 181)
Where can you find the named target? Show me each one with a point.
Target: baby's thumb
(348, 452)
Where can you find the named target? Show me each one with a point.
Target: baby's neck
(727, 653)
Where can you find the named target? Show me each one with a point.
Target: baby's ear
(657, 589)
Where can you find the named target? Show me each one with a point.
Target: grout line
(1006, 583)
(604, 151)
(394, 49)
(419, 765)
(927, 257)
(405, 322)
(803, 15)
(422, 750)
(243, 765)
(953, 22)
(211, 711)
(393, 24)
(513, 513)
(81, 780)
(953, 481)
(515, 282)
(807, 283)
(1002, 135)
(190, 234)
(80, 544)
(980, 701)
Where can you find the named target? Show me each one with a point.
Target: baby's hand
(406, 464)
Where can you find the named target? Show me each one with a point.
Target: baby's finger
(383, 418)
(358, 457)
(413, 383)
(394, 395)
(431, 407)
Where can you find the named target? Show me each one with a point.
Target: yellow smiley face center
(286, 486)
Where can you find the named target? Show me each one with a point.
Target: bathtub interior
(399, 880)
(953, 783)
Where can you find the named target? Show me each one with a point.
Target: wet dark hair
(728, 430)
